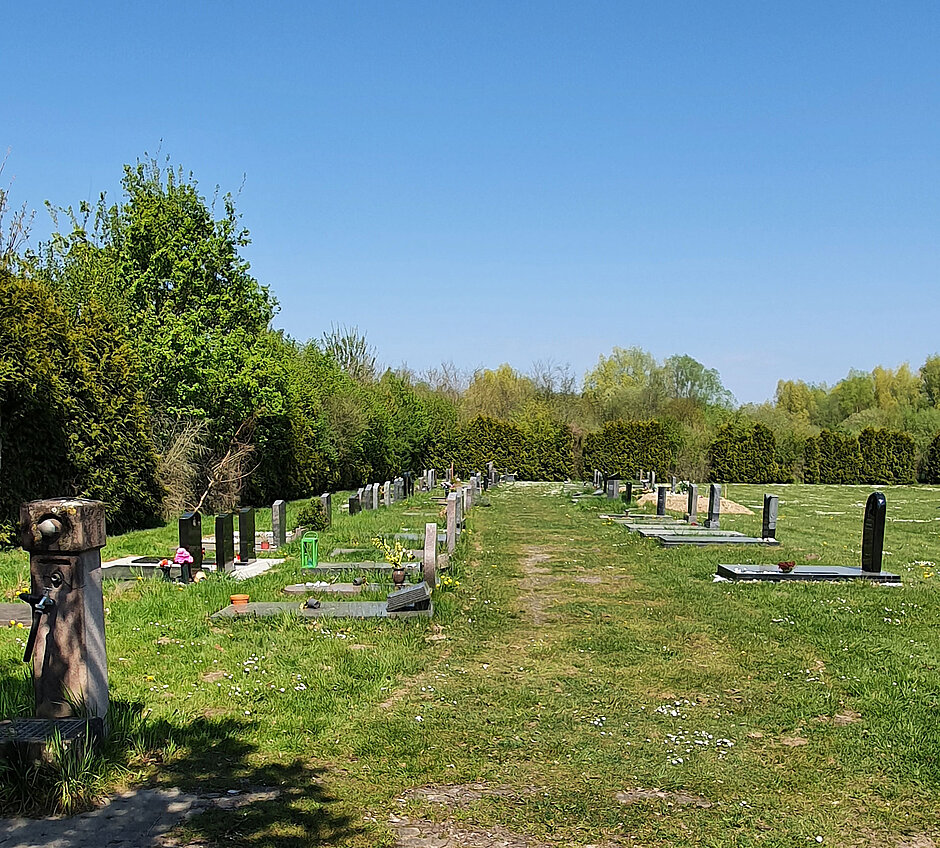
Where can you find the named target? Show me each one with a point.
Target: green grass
(572, 662)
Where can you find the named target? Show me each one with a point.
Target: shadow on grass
(287, 805)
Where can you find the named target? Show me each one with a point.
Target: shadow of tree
(248, 802)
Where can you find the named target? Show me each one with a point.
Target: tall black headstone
(246, 534)
(355, 506)
(628, 495)
(190, 525)
(873, 532)
(713, 521)
(224, 543)
(661, 500)
(769, 522)
(691, 513)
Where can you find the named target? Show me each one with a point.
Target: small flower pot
(786, 567)
(239, 600)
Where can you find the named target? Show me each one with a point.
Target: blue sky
(756, 185)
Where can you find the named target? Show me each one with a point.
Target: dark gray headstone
(713, 522)
(326, 502)
(355, 506)
(661, 500)
(628, 494)
(279, 523)
(769, 520)
(873, 533)
(225, 543)
(613, 488)
(190, 526)
(692, 505)
(246, 533)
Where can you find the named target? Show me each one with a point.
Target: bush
(931, 470)
(742, 454)
(622, 448)
(875, 456)
(312, 515)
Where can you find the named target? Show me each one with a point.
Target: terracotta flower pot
(238, 600)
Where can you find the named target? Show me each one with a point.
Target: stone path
(133, 820)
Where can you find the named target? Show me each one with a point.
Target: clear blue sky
(756, 185)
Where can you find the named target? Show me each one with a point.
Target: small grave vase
(786, 567)
(398, 576)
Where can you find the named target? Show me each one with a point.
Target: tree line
(139, 365)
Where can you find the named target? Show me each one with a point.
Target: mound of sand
(678, 503)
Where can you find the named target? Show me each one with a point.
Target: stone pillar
(769, 519)
(64, 537)
(713, 522)
(190, 530)
(691, 509)
(279, 523)
(661, 500)
(224, 543)
(246, 534)
(429, 563)
(451, 522)
(326, 503)
(873, 532)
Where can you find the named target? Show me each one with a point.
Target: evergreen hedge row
(931, 469)
(538, 454)
(623, 448)
(72, 418)
(874, 456)
(744, 454)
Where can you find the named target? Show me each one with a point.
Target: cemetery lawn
(578, 686)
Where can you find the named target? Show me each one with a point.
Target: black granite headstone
(246, 534)
(355, 506)
(190, 526)
(224, 543)
(713, 521)
(661, 500)
(628, 495)
(873, 532)
(691, 508)
(769, 522)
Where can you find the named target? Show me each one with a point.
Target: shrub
(744, 454)
(311, 515)
(622, 448)
(931, 469)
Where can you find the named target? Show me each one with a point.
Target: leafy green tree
(687, 379)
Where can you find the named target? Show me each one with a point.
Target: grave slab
(804, 573)
(652, 531)
(381, 567)
(327, 609)
(700, 540)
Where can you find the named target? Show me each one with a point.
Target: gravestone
(613, 488)
(460, 511)
(661, 500)
(246, 534)
(642, 479)
(326, 503)
(652, 480)
(190, 527)
(691, 508)
(279, 523)
(375, 496)
(429, 562)
(628, 494)
(769, 520)
(387, 493)
(873, 533)
(713, 522)
(451, 512)
(433, 477)
(674, 483)
(355, 505)
(224, 543)
(468, 497)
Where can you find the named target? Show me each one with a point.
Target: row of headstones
(375, 494)
(459, 502)
(647, 482)
(713, 520)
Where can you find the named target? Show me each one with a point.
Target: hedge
(623, 448)
(743, 454)
(874, 456)
(931, 469)
(541, 454)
